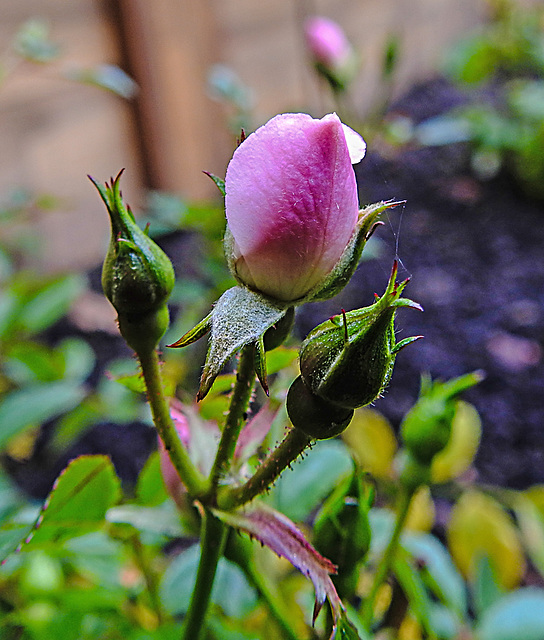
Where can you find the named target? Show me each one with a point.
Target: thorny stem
(189, 474)
(388, 557)
(288, 450)
(214, 532)
(214, 535)
(241, 395)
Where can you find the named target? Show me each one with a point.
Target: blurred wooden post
(170, 45)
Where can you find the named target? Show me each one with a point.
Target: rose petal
(291, 203)
(356, 144)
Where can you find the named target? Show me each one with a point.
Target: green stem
(386, 561)
(241, 395)
(213, 539)
(149, 575)
(288, 450)
(214, 531)
(189, 474)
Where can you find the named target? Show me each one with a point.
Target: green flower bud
(314, 416)
(137, 276)
(426, 428)
(348, 360)
(412, 473)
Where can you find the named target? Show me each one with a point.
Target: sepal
(240, 317)
(345, 267)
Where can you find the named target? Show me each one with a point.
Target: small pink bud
(291, 203)
(327, 43)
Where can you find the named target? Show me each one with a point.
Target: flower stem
(149, 575)
(213, 539)
(405, 498)
(214, 531)
(241, 395)
(189, 474)
(288, 450)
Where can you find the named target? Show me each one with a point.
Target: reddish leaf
(277, 532)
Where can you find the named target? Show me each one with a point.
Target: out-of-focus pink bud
(172, 482)
(327, 43)
(291, 203)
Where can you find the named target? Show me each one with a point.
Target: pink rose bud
(291, 203)
(327, 43)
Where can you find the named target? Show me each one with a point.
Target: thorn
(346, 335)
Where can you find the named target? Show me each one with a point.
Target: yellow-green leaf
(479, 527)
(372, 441)
(463, 444)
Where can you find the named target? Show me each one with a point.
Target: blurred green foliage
(505, 126)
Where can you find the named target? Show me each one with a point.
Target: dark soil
(474, 253)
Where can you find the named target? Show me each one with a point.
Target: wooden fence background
(53, 132)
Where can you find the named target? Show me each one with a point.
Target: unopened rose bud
(137, 276)
(315, 417)
(330, 50)
(426, 428)
(348, 360)
(291, 204)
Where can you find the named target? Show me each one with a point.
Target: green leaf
(230, 591)
(10, 497)
(530, 518)
(28, 362)
(78, 358)
(163, 519)
(11, 536)
(52, 301)
(78, 502)
(486, 587)
(101, 559)
(150, 489)
(414, 589)
(346, 630)
(34, 405)
(439, 572)
(516, 616)
(280, 358)
(300, 490)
